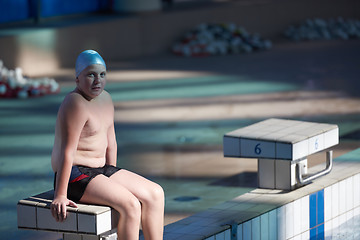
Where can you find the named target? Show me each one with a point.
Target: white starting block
(88, 222)
(281, 147)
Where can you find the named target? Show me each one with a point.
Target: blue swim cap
(87, 58)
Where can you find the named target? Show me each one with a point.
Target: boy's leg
(151, 196)
(105, 191)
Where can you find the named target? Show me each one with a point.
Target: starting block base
(279, 174)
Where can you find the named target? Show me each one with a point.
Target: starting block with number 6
(281, 147)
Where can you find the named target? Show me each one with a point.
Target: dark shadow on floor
(244, 179)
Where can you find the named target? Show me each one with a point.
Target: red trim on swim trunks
(82, 176)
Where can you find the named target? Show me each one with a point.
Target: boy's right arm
(72, 118)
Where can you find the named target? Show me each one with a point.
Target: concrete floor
(171, 114)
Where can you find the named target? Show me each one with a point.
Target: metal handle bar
(329, 163)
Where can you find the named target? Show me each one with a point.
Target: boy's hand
(58, 207)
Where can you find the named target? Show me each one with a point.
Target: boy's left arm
(111, 150)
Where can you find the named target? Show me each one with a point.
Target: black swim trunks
(80, 178)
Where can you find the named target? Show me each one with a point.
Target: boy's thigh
(136, 184)
(105, 191)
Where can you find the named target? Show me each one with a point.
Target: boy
(84, 158)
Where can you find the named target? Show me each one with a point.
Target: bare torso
(93, 140)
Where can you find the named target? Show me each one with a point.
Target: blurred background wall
(41, 36)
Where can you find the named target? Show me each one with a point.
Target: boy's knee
(158, 192)
(155, 194)
(132, 208)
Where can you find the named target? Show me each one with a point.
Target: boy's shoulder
(73, 102)
(106, 95)
(105, 98)
(73, 98)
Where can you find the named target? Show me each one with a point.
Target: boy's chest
(99, 121)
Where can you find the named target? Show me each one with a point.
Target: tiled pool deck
(277, 214)
(171, 114)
